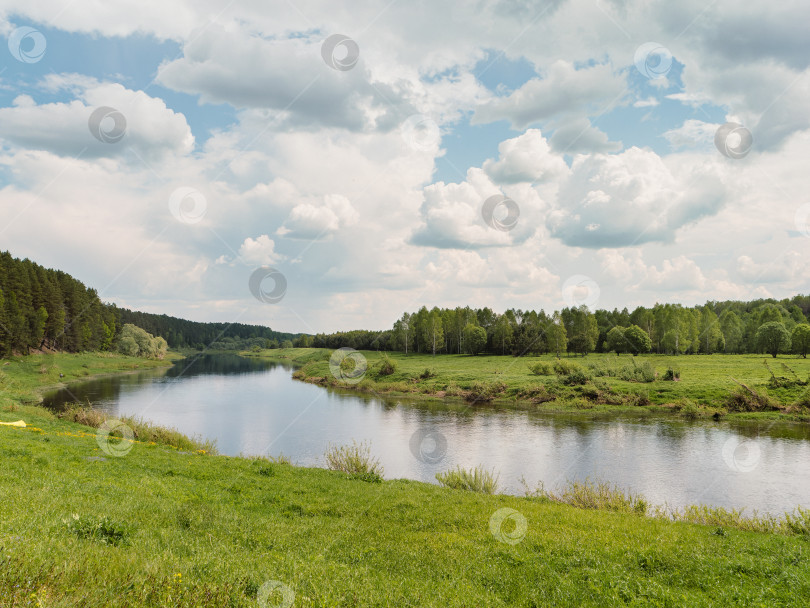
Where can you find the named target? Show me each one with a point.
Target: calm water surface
(255, 407)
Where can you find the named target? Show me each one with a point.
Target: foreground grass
(705, 386)
(160, 528)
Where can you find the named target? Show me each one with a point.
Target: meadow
(89, 523)
(737, 386)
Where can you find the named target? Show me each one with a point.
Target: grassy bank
(737, 386)
(24, 379)
(157, 527)
(85, 522)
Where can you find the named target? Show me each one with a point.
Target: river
(254, 407)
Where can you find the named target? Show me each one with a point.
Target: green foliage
(746, 399)
(800, 339)
(484, 391)
(631, 371)
(47, 309)
(540, 368)
(637, 340)
(99, 529)
(473, 480)
(773, 338)
(594, 495)
(672, 374)
(136, 342)
(638, 373)
(387, 366)
(615, 341)
(475, 339)
(566, 368)
(355, 459)
(180, 333)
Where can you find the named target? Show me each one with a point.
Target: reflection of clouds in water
(667, 460)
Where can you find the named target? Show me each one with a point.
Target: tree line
(180, 333)
(41, 309)
(760, 326)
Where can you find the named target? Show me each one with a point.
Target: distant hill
(180, 333)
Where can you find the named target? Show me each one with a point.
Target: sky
(318, 166)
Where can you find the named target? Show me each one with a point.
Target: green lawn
(705, 380)
(160, 527)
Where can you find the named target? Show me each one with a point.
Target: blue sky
(325, 175)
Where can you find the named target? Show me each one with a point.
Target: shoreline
(306, 369)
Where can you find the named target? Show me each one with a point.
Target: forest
(760, 326)
(48, 309)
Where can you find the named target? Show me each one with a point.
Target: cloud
(580, 136)
(527, 158)
(313, 221)
(565, 90)
(630, 198)
(259, 251)
(150, 129)
(692, 134)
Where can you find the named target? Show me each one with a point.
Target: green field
(162, 527)
(705, 385)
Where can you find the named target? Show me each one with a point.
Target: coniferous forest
(48, 309)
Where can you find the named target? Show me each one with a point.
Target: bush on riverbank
(355, 460)
(477, 479)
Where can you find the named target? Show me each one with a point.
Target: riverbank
(737, 387)
(734, 387)
(23, 380)
(155, 527)
(89, 523)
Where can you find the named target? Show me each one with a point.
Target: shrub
(453, 390)
(575, 377)
(540, 369)
(484, 391)
(607, 366)
(387, 366)
(538, 394)
(638, 373)
(746, 399)
(639, 398)
(566, 368)
(100, 529)
(473, 480)
(427, 374)
(688, 409)
(353, 459)
(672, 374)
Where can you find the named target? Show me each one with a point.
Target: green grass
(159, 527)
(595, 382)
(24, 379)
(472, 480)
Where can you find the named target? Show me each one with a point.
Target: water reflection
(254, 407)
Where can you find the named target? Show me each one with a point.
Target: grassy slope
(210, 530)
(707, 380)
(23, 379)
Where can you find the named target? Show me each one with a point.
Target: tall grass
(611, 367)
(354, 459)
(600, 495)
(477, 479)
(143, 430)
(593, 495)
